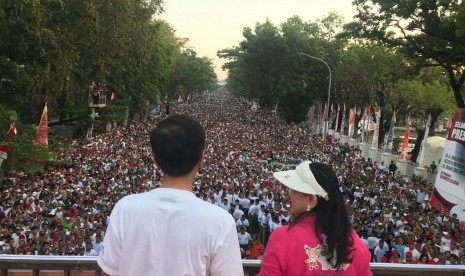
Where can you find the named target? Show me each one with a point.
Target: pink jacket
(296, 252)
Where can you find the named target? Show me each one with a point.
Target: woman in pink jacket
(320, 239)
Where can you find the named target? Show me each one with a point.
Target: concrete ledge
(51, 265)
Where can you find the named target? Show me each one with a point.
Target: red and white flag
(12, 131)
(325, 114)
(404, 154)
(352, 113)
(4, 148)
(42, 132)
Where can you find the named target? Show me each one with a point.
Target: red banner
(12, 131)
(336, 124)
(352, 113)
(42, 132)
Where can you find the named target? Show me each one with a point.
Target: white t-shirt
(244, 239)
(245, 202)
(244, 222)
(238, 213)
(170, 232)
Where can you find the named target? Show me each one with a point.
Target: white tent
(433, 151)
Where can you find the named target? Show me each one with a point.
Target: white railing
(50, 265)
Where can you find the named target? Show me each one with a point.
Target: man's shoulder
(214, 211)
(129, 199)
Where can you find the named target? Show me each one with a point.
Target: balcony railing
(87, 266)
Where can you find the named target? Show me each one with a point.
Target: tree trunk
(456, 86)
(434, 118)
(416, 150)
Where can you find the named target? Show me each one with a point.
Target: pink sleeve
(271, 263)
(364, 256)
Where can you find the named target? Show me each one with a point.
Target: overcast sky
(212, 25)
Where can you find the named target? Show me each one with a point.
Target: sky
(212, 25)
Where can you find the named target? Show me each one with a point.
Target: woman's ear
(312, 201)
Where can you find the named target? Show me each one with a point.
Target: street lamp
(329, 91)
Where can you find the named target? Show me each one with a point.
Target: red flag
(4, 148)
(12, 131)
(325, 114)
(404, 154)
(337, 118)
(352, 113)
(42, 132)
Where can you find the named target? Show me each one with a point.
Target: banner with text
(449, 188)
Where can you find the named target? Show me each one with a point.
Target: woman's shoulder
(280, 234)
(281, 231)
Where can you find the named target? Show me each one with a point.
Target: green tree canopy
(431, 31)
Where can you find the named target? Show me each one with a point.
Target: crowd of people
(65, 210)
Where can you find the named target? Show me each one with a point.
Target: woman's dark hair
(332, 219)
(177, 144)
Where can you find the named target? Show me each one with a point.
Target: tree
(23, 155)
(424, 98)
(431, 31)
(365, 75)
(268, 64)
(191, 74)
(51, 50)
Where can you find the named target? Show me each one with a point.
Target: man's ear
(155, 161)
(200, 162)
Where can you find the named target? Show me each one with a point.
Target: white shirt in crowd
(254, 209)
(98, 247)
(273, 225)
(283, 217)
(416, 254)
(146, 229)
(372, 242)
(238, 213)
(245, 202)
(244, 239)
(242, 222)
(225, 207)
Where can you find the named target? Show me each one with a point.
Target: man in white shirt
(253, 216)
(265, 230)
(445, 241)
(285, 216)
(224, 204)
(242, 222)
(380, 251)
(238, 213)
(146, 229)
(244, 239)
(98, 244)
(245, 202)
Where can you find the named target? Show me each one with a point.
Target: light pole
(329, 93)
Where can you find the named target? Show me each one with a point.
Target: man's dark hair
(177, 144)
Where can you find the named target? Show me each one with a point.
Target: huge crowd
(64, 211)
